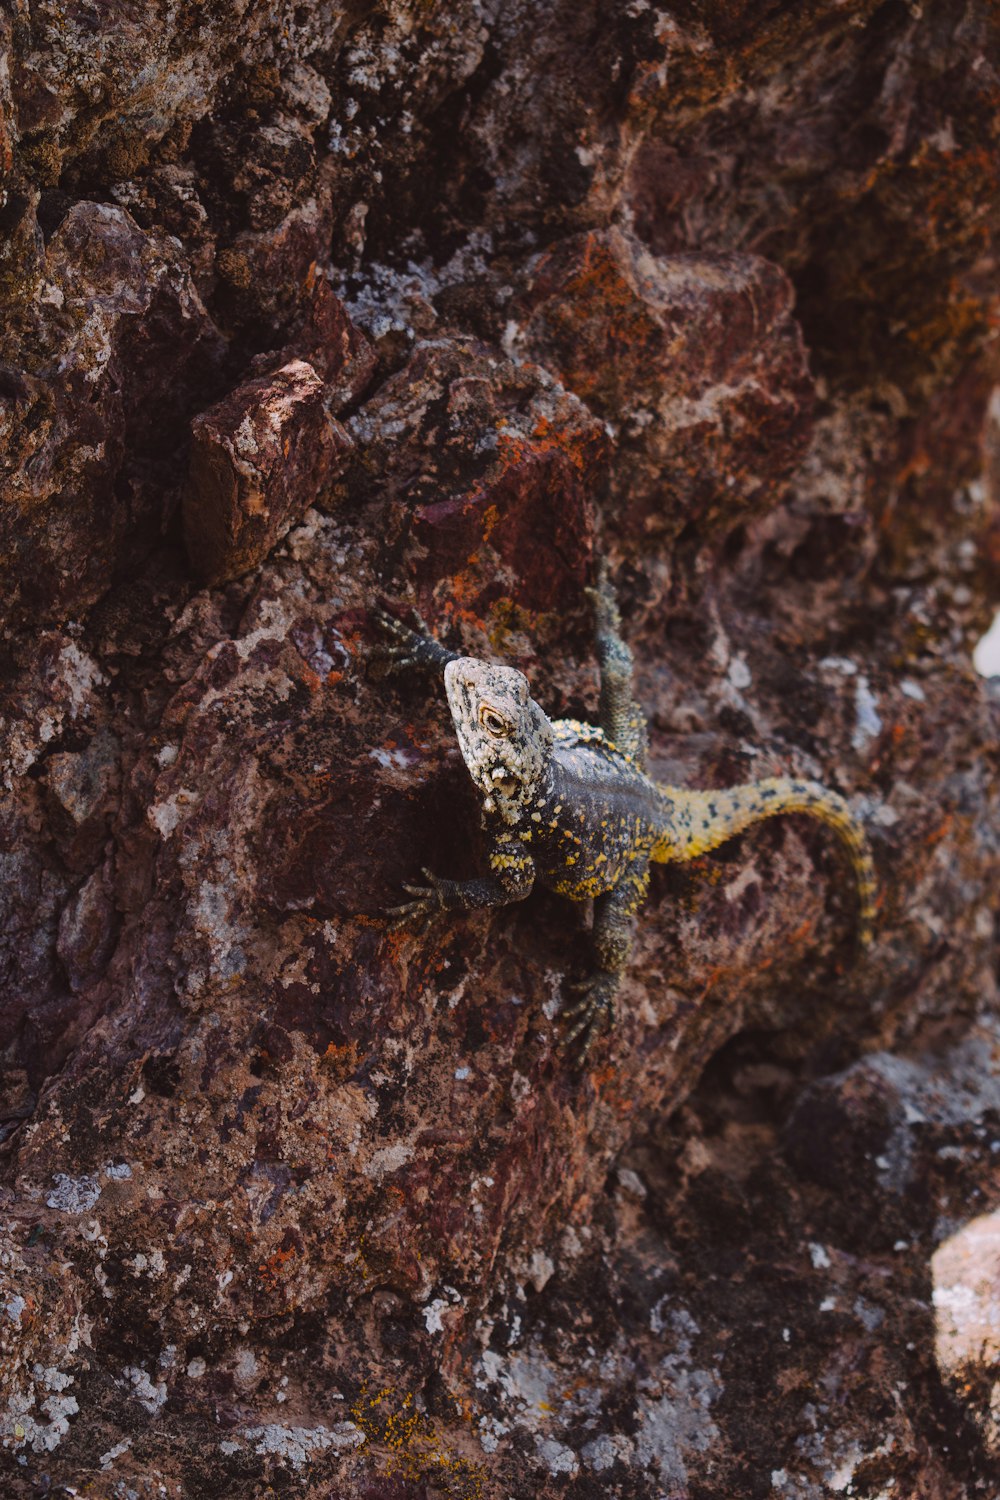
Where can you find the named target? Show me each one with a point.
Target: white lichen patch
(107, 1459)
(607, 1449)
(69, 695)
(438, 1305)
(835, 1459)
(399, 758)
(739, 673)
(217, 917)
(14, 1307)
(73, 1195)
(20, 1427)
(678, 1426)
(491, 1430)
(153, 1264)
(152, 1395)
(299, 1445)
(966, 1298)
(526, 1379)
(78, 675)
(165, 816)
(556, 1457)
(275, 625)
(388, 1159)
(841, 664)
(432, 1315)
(868, 723)
(541, 1269)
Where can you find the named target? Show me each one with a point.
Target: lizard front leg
(406, 649)
(511, 878)
(612, 938)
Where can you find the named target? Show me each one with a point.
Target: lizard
(571, 805)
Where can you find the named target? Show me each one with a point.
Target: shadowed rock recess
(307, 309)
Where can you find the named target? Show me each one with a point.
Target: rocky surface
(306, 311)
(257, 458)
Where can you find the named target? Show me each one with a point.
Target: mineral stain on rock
(307, 311)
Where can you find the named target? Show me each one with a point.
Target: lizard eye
(493, 722)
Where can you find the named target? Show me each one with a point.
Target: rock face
(308, 311)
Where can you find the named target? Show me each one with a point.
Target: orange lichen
(939, 833)
(342, 1061)
(274, 1268)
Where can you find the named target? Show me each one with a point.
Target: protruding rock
(966, 1271)
(333, 345)
(696, 358)
(496, 472)
(260, 458)
(120, 346)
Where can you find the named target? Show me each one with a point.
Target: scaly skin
(570, 805)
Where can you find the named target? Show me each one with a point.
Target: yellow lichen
(232, 266)
(417, 1451)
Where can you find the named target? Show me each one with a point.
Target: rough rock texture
(454, 298)
(257, 459)
(967, 1307)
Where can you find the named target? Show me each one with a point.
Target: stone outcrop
(259, 458)
(307, 312)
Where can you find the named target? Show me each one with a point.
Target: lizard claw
(406, 648)
(587, 1017)
(429, 903)
(399, 651)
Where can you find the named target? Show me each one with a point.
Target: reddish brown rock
(116, 352)
(293, 1203)
(266, 276)
(697, 361)
(259, 459)
(492, 490)
(332, 343)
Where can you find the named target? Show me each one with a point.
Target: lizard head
(505, 738)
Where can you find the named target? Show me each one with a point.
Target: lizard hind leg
(621, 717)
(612, 938)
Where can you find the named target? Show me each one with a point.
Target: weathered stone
(259, 459)
(695, 359)
(327, 338)
(293, 1203)
(492, 489)
(966, 1270)
(267, 276)
(116, 351)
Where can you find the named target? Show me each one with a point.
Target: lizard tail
(699, 821)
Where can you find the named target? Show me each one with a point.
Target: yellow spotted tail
(700, 821)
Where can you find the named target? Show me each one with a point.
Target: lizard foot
(429, 904)
(404, 648)
(593, 1013)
